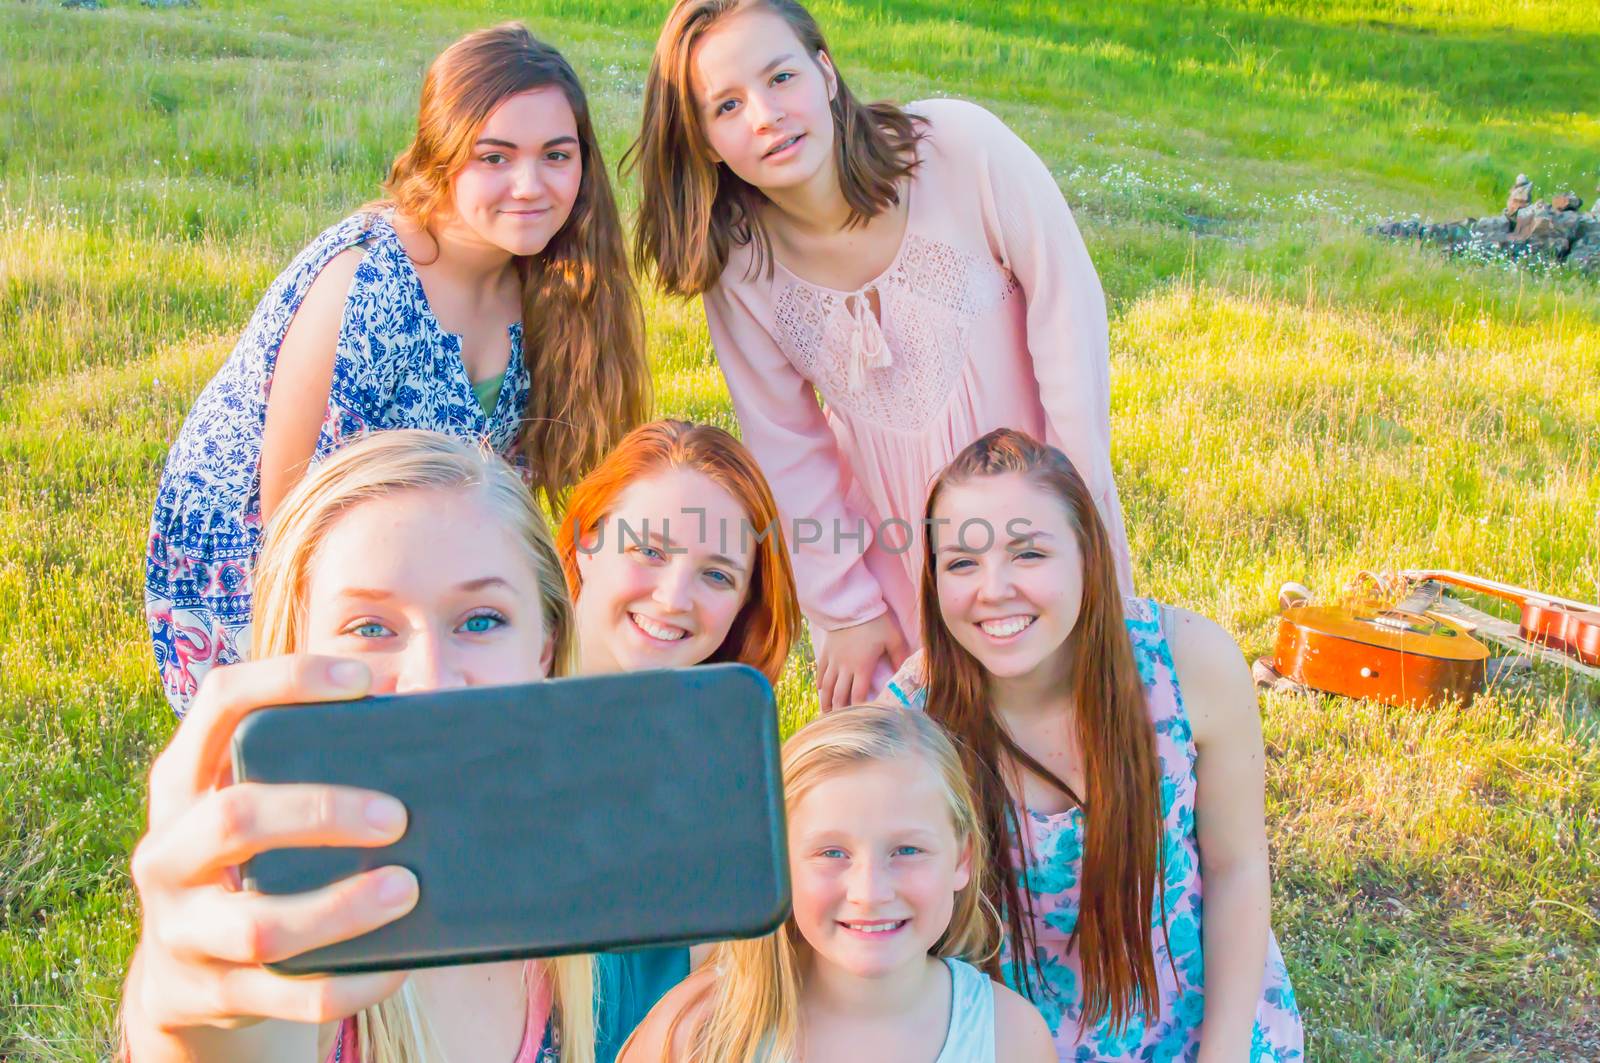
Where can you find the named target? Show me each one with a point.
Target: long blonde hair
(754, 1002)
(396, 1030)
(583, 327)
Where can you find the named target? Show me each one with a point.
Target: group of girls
(1044, 786)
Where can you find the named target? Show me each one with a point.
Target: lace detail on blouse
(896, 368)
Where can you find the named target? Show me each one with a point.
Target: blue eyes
(476, 624)
(899, 850)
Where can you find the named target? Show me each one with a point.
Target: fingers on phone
(253, 991)
(236, 823)
(254, 928)
(198, 753)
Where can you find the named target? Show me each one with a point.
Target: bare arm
(665, 1033)
(197, 989)
(1020, 1035)
(298, 400)
(1230, 819)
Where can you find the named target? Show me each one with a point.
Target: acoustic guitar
(1402, 654)
(1560, 623)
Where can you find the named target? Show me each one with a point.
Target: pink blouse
(990, 315)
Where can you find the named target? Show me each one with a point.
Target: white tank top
(971, 1036)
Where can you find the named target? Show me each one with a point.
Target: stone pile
(1552, 231)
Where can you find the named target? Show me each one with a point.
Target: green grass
(1291, 400)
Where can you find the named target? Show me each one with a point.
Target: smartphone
(569, 815)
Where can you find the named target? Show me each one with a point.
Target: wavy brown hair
(583, 329)
(769, 619)
(1123, 864)
(693, 210)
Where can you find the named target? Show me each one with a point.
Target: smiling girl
(877, 960)
(664, 556)
(487, 297)
(1115, 747)
(364, 587)
(917, 269)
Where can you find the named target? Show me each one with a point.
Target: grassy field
(1291, 400)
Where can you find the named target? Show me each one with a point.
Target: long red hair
(1122, 852)
(583, 328)
(769, 620)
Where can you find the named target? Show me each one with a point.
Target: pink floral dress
(1170, 1031)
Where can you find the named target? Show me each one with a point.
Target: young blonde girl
(409, 561)
(1115, 748)
(917, 269)
(880, 958)
(487, 297)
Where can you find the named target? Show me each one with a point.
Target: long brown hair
(769, 619)
(1122, 852)
(582, 325)
(692, 209)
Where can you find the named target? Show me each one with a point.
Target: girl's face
(1009, 573)
(431, 591)
(520, 182)
(763, 99)
(665, 574)
(875, 865)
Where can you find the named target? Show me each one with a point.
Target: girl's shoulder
(955, 127)
(665, 1033)
(908, 687)
(1210, 670)
(1020, 1032)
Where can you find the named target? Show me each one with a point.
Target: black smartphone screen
(571, 815)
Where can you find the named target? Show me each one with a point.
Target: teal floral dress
(1053, 871)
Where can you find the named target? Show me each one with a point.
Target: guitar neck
(1519, 595)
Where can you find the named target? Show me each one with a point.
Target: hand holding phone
(202, 940)
(550, 818)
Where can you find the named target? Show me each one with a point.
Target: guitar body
(1568, 630)
(1398, 658)
(1560, 623)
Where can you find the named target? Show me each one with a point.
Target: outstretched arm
(197, 989)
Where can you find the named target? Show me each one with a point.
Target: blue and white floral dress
(1054, 869)
(394, 367)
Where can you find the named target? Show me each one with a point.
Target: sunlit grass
(1291, 400)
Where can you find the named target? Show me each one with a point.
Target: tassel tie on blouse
(868, 349)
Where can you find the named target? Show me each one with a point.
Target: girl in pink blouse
(918, 269)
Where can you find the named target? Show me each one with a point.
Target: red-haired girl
(487, 297)
(917, 268)
(1115, 747)
(674, 558)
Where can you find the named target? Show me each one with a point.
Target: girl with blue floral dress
(488, 297)
(1116, 748)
